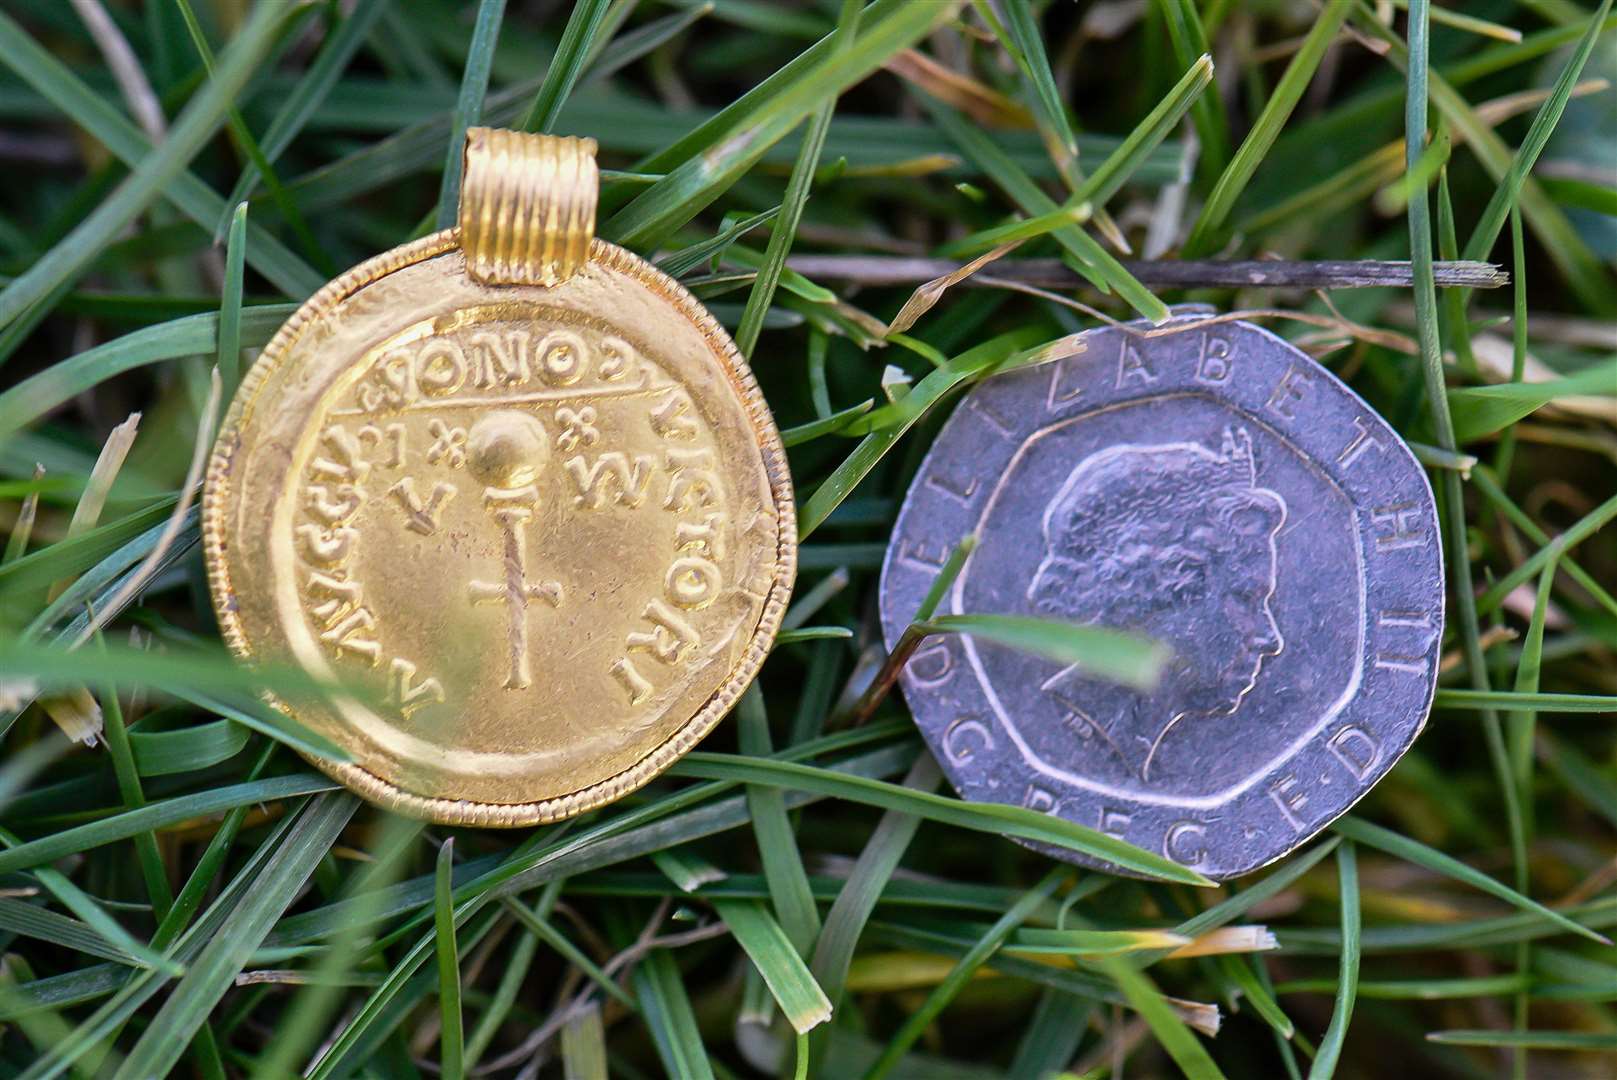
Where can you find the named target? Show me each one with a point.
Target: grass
(803, 896)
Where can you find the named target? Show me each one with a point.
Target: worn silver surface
(1220, 491)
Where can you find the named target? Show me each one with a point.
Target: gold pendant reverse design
(514, 496)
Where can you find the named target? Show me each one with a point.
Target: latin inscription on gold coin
(542, 537)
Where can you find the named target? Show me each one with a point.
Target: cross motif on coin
(505, 450)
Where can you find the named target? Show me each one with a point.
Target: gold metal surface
(527, 206)
(542, 535)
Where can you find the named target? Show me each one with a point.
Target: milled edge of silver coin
(941, 498)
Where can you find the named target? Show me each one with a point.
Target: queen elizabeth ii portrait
(1175, 541)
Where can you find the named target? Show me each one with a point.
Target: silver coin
(1219, 491)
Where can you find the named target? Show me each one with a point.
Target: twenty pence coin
(1211, 487)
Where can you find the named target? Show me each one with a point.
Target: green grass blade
(494, 1017)
(1370, 835)
(967, 966)
(1050, 111)
(1453, 328)
(692, 185)
(1036, 941)
(1347, 981)
(1176, 1038)
(193, 335)
(452, 1057)
(250, 712)
(1089, 257)
(565, 66)
(1580, 267)
(1205, 233)
(191, 895)
(47, 75)
(1188, 37)
(850, 912)
(1052, 1036)
(42, 924)
(1227, 911)
(947, 573)
(104, 591)
(1530, 1040)
(1106, 654)
(1582, 194)
(1452, 501)
(180, 941)
(888, 427)
(625, 49)
(1505, 453)
(1588, 781)
(779, 961)
(743, 111)
(216, 966)
(1416, 989)
(469, 105)
(1520, 726)
(134, 797)
(1034, 63)
(667, 1011)
(205, 677)
(157, 814)
(201, 118)
(92, 914)
(1508, 191)
(1585, 527)
(199, 746)
(1015, 232)
(243, 138)
(689, 814)
(1482, 410)
(36, 571)
(828, 425)
(777, 843)
(306, 1018)
(311, 90)
(544, 931)
(686, 869)
(1506, 699)
(230, 303)
(985, 817)
(1110, 175)
(955, 940)
(1240, 972)
(681, 262)
(797, 193)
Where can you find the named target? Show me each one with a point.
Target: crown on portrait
(1236, 454)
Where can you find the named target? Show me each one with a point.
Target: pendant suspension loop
(527, 206)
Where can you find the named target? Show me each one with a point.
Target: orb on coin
(506, 448)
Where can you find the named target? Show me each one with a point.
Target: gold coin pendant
(515, 492)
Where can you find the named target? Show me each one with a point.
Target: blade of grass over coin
(1108, 654)
(807, 895)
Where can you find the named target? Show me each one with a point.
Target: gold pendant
(515, 491)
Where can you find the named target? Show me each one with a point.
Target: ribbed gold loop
(527, 206)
